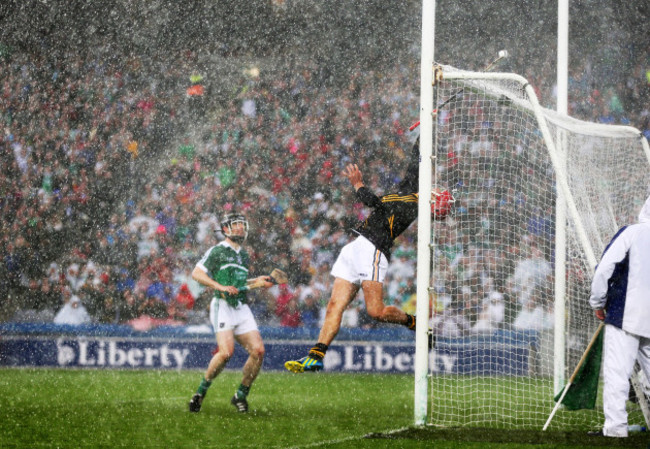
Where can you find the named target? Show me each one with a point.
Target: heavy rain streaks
(130, 129)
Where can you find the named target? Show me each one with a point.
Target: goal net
(537, 198)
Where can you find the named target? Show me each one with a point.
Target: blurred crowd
(115, 177)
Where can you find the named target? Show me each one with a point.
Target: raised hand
(354, 175)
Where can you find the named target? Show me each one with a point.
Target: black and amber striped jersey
(393, 213)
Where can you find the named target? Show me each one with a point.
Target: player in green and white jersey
(224, 268)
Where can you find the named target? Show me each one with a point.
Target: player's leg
(253, 344)
(372, 268)
(644, 355)
(373, 294)
(342, 293)
(221, 318)
(226, 344)
(226, 348)
(620, 350)
(644, 361)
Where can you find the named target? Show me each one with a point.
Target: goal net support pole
(560, 207)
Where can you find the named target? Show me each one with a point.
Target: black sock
(318, 351)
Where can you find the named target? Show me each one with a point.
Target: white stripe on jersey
(228, 265)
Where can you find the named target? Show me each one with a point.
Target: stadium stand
(113, 174)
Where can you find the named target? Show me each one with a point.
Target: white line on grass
(341, 440)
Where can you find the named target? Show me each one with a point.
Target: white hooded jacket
(621, 283)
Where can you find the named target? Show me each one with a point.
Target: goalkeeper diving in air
(363, 262)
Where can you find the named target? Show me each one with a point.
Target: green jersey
(228, 267)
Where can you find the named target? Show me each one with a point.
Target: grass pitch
(148, 409)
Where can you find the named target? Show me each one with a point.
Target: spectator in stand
(403, 266)
(302, 276)
(73, 312)
(108, 312)
(310, 309)
(95, 293)
(352, 314)
(159, 290)
(143, 223)
(183, 276)
(166, 218)
(184, 297)
(151, 306)
(49, 295)
(406, 296)
(129, 309)
(148, 245)
(287, 307)
(68, 166)
(472, 303)
(74, 278)
(125, 281)
(534, 316)
(451, 323)
(176, 312)
(537, 314)
(531, 273)
(207, 226)
(491, 315)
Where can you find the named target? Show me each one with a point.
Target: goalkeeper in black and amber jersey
(391, 214)
(363, 262)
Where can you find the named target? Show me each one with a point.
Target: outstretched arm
(364, 194)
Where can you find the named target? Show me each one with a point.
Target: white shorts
(224, 317)
(360, 261)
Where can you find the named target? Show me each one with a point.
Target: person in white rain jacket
(620, 295)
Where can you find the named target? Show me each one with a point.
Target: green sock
(203, 388)
(242, 391)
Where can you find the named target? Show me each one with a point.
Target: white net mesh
(493, 265)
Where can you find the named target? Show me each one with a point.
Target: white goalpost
(510, 299)
(424, 228)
